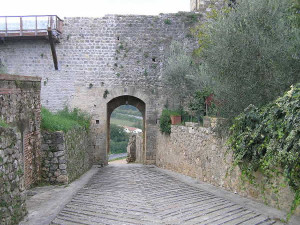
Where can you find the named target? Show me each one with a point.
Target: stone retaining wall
(200, 153)
(19, 143)
(65, 156)
(12, 198)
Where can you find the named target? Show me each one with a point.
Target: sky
(91, 8)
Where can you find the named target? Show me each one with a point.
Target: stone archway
(125, 100)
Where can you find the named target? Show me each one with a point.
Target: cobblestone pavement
(137, 194)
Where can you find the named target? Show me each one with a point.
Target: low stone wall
(65, 156)
(12, 197)
(79, 153)
(200, 153)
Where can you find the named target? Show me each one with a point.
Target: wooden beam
(52, 48)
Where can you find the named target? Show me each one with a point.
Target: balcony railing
(30, 26)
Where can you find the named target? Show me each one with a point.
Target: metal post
(6, 26)
(21, 26)
(35, 26)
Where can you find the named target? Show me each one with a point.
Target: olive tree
(250, 53)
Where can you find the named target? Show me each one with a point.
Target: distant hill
(127, 115)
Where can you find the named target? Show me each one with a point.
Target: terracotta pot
(175, 120)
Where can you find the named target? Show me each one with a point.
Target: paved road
(116, 156)
(137, 194)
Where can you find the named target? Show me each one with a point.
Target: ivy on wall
(267, 139)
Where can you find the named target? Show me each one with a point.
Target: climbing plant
(267, 139)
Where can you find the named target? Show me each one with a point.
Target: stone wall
(19, 143)
(131, 149)
(101, 59)
(12, 198)
(139, 139)
(65, 156)
(20, 107)
(200, 153)
(206, 5)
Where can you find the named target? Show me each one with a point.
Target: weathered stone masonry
(101, 59)
(65, 156)
(20, 107)
(12, 197)
(19, 143)
(200, 153)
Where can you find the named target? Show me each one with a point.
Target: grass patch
(64, 120)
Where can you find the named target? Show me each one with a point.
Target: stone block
(45, 147)
(61, 147)
(59, 153)
(62, 166)
(62, 179)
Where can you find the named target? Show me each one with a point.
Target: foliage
(268, 138)
(127, 115)
(106, 92)
(118, 139)
(250, 53)
(167, 21)
(165, 120)
(3, 124)
(64, 120)
(180, 74)
(122, 116)
(201, 103)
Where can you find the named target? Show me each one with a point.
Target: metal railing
(14, 26)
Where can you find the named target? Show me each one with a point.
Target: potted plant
(175, 118)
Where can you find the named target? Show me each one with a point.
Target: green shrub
(64, 120)
(118, 139)
(202, 103)
(118, 147)
(250, 53)
(165, 120)
(268, 138)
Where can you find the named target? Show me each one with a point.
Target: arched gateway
(126, 100)
(105, 100)
(102, 63)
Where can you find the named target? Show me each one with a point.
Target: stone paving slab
(146, 195)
